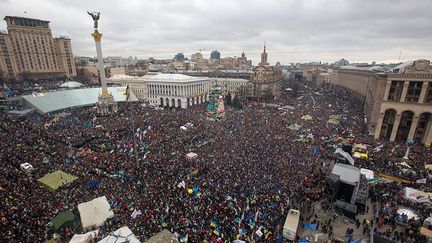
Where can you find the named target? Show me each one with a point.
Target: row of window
(176, 90)
(412, 94)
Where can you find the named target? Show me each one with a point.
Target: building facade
(232, 86)
(406, 109)
(215, 55)
(179, 57)
(266, 80)
(112, 71)
(177, 90)
(28, 51)
(397, 105)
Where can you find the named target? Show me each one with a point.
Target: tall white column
(413, 128)
(404, 91)
(395, 127)
(422, 97)
(97, 37)
(387, 90)
(379, 126)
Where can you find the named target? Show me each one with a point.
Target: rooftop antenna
(400, 54)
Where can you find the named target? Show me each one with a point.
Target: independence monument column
(106, 102)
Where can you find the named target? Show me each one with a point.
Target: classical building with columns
(406, 109)
(177, 90)
(398, 104)
(187, 90)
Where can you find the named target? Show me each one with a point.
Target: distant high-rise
(215, 55)
(28, 51)
(179, 57)
(196, 57)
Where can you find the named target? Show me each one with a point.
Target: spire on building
(264, 57)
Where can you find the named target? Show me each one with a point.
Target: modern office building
(28, 51)
(179, 57)
(215, 55)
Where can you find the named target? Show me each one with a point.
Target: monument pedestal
(106, 104)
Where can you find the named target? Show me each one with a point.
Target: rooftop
(347, 173)
(172, 77)
(26, 22)
(60, 100)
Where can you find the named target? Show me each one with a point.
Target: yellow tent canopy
(56, 179)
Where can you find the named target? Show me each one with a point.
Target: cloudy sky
(295, 31)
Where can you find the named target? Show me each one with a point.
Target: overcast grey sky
(295, 31)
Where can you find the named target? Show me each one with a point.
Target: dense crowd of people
(250, 170)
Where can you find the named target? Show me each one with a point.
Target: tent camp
(95, 212)
(410, 214)
(124, 234)
(334, 119)
(306, 117)
(427, 222)
(294, 127)
(85, 238)
(63, 219)
(191, 155)
(56, 179)
(162, 237)
(26, 167)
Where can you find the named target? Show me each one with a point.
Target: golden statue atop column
(106, 102)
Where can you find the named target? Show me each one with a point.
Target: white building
(231, 86)
(113, 71)
(177, 90)
(136, 85)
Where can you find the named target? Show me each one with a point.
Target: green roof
(63, 219)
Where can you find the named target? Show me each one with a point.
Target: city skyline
(295, 31)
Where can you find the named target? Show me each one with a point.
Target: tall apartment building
(28, 51)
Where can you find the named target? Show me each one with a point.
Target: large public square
(250, 169)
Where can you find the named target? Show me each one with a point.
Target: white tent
(124, 234)
(191, 155)
(408, 212)
(294, 127)
(85, 238)
(306, 117)
(367, 173)
(26, 167)
(95, 212)
(427, 221)
(345, 154)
